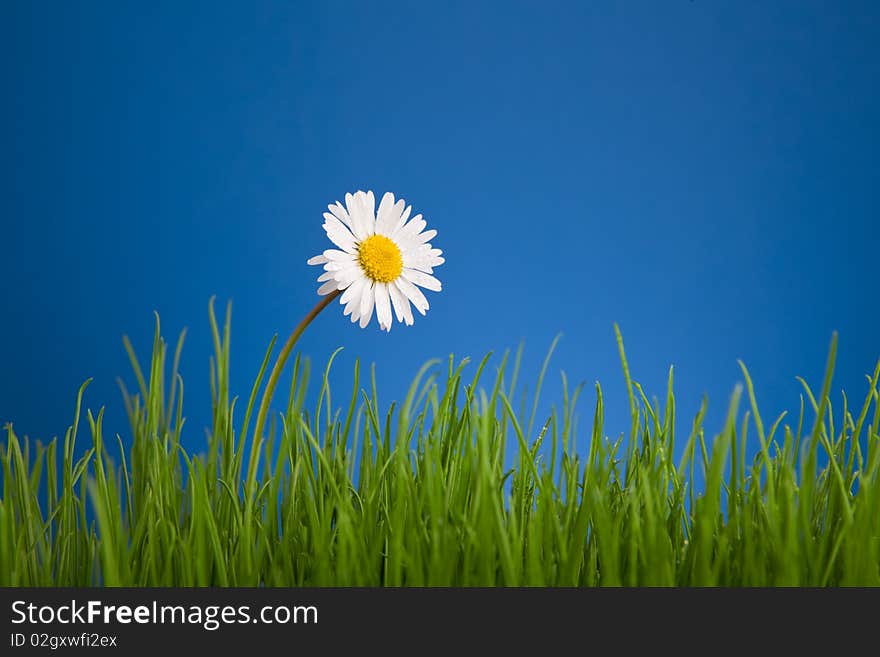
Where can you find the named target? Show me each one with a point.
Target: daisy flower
(381, 261)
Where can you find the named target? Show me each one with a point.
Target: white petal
(362, 214)
(339, 212)
(327, 288)
(387, 222)
(426, 236)
(412, 293)
(333, 220)
(398, 301)
(398, 210)
(353, 292)
(368, 212)
(421, 260)
(355, 211)
(407, 310)
(424, 280)
(424, 249)
(414, 227)
(351, 298)
(340, 262)
(368, 299)
(402, 220)
(406, 241)
(346, 277)
(383, 307)
(326, 276)
(350, 306)
(411, 244)
(353, 308)
(384, 217)
(317, 260)
(340, 235)
(339, 256)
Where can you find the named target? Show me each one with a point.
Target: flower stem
(273, 381)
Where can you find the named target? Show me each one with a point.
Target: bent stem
(257, 442)
(275, 375)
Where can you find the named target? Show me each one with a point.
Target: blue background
(703, 173)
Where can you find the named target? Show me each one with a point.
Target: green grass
(421, 494)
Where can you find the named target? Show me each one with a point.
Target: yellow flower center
(380, 258)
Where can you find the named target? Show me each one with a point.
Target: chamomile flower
(381, 261)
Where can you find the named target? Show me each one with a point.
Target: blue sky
(703, 173)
